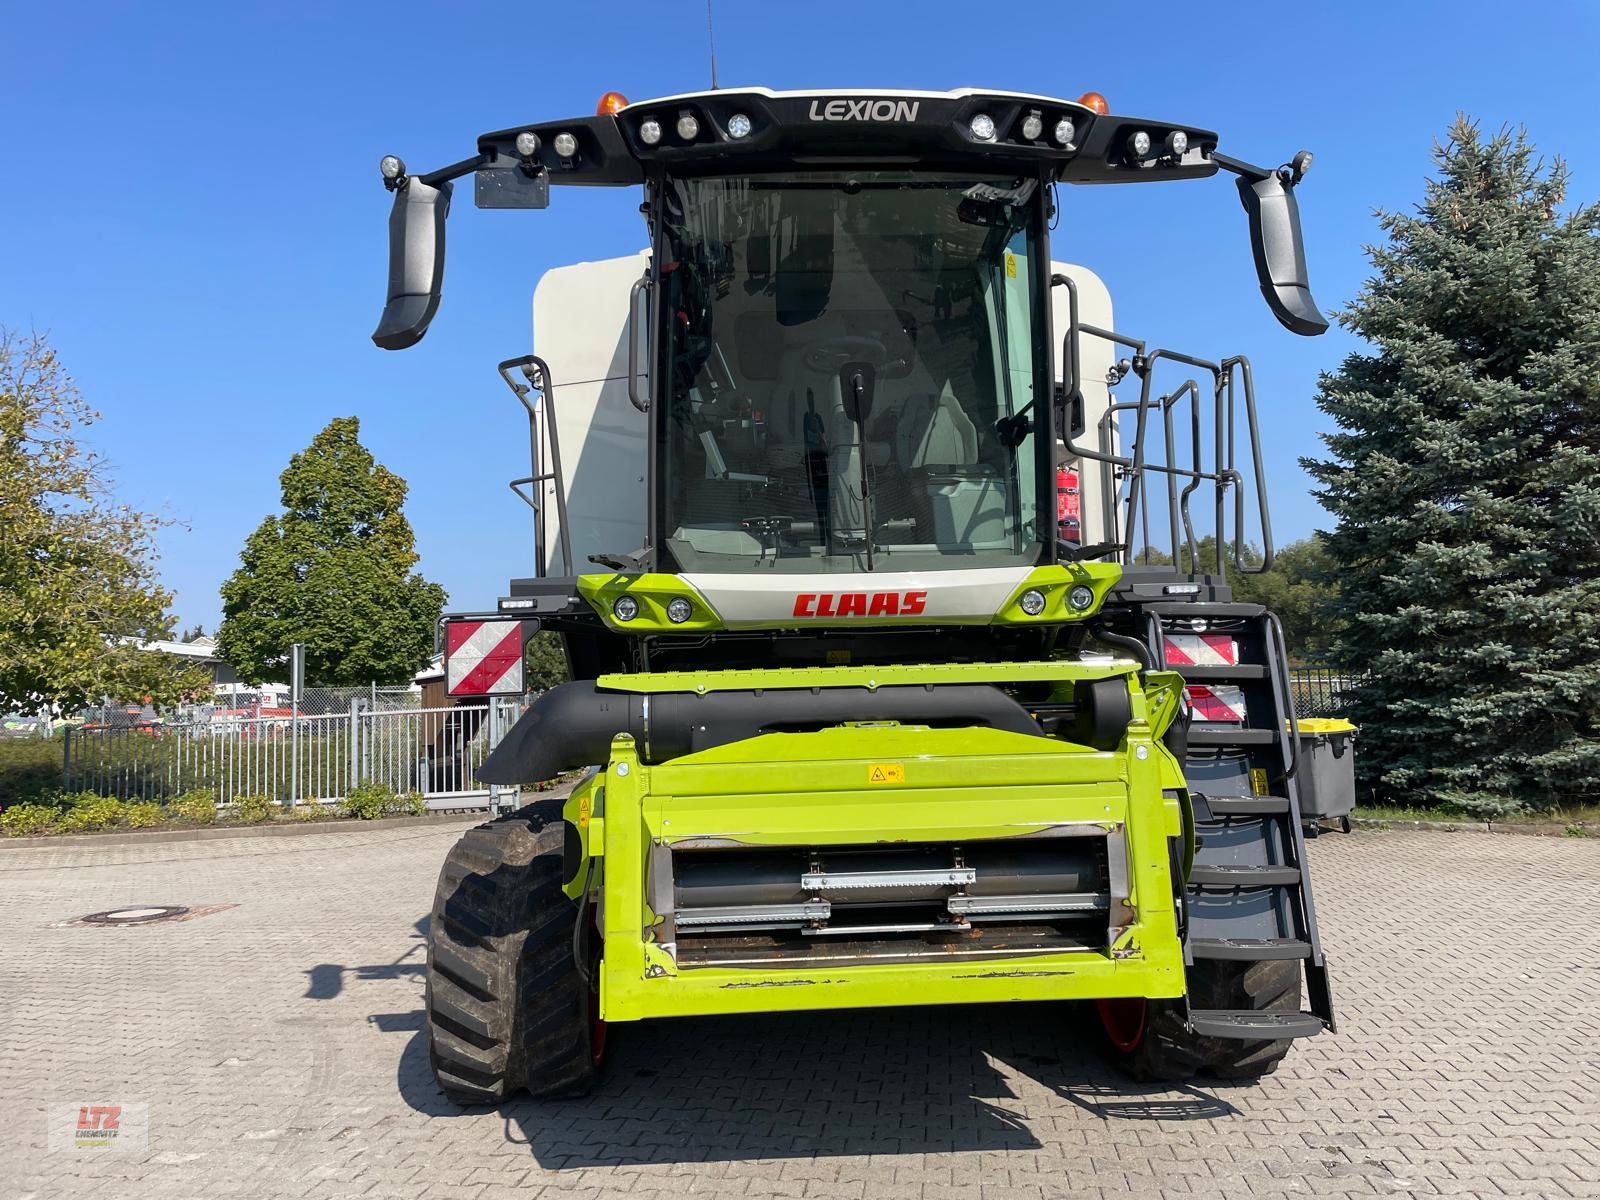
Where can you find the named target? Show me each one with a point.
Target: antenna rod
(711, 38)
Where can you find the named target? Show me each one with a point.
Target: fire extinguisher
(1068, 513)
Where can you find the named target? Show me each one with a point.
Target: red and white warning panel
(483, 658)
(1217, 702)
(1200, 650)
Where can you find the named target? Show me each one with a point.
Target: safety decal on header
(483, 658)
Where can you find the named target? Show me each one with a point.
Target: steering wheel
(828, 356)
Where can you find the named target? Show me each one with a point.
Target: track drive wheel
(507, 1006)
(1150, 1040)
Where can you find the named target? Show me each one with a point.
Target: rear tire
(1166, 1051)
(507, 1006)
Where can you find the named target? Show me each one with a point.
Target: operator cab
(850, 366)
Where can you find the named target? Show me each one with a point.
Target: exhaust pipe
(571, 726)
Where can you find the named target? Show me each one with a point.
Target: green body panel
(945, 785)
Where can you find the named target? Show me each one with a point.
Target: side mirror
(1280, 252)
(416, 263)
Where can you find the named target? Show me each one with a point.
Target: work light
(679, 610)
(566, 145)
(528, 143)
(649, 131)
(738, 125)
(1080, 598)
(983, 127)
(688, 127)
(625, 608)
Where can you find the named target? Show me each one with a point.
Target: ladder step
(1247, 806)
(1249, 949)
(1251, 1026)
(1234, 672)
(1199, 736)
(1244, 877)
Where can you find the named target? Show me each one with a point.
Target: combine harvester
(841, 492)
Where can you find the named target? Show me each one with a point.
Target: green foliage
(544, 662)
(29, 820)
(30, 769)
(143, 815)
(88, 813)
(313, 810)
(255, 810)
(198, 807)
(333, 570)
(367, 801)
(1465, 480)
(78, 583)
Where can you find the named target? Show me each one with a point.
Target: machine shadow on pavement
(799, 1085)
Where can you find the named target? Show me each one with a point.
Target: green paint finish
(881, 676)
(653, 592)
(1054, 582)
(829, 787)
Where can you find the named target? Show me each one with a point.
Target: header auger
(848, 489)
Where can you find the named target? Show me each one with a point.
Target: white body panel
(764, 598)
(1096, 357)
(580, 328)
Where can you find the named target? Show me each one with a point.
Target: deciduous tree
(78, 586)
(333, 570)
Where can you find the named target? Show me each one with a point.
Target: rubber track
(507, 1008)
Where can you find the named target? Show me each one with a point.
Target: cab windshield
(850, 365)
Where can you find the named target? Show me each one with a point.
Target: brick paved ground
(278, 1047)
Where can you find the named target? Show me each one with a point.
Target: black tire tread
(1170, 1052)
(507, 1007)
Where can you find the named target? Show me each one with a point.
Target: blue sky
(193, 210)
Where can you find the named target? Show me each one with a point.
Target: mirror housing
(1280, 251)
(416, 263)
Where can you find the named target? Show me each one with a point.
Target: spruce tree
(1465, 479)
(334, 571)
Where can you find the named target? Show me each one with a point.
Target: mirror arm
(456, 170)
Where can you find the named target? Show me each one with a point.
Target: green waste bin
(1327, 771)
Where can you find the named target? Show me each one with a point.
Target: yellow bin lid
(1326, 725)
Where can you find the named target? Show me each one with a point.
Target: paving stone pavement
(278, 1047)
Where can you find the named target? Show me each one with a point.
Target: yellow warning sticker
(886, 773)
(1258, 781)
(1011, 266)
(583, 813)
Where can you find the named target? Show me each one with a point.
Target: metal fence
(294, 756)
(1320, 691)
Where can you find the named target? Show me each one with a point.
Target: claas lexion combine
(845, 498)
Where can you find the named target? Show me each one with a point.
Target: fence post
(66, 761)
(297, 680)
(355, 752)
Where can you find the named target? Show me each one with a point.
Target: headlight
(1080, 598)
(679, 610)
(566, 145)
(1031, 602)
(983, 127)
(649, 131)
(625, 608)
(738, 125)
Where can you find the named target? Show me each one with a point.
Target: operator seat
(963, 500)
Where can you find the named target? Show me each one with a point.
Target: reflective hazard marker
(483, 658)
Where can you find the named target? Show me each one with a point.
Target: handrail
(641, 402)
(537, 374)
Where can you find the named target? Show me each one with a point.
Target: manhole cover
(142, 914)
(137, 916)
